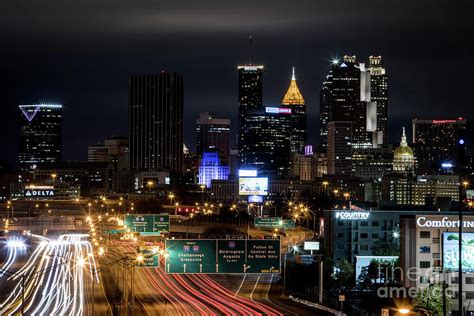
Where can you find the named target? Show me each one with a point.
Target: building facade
(439, 145)
(268, 136)
(339, 152)
(354, 93)
(40, 134)
(211, 168)
(429, 244)
(156, 122)
(213, 134)
(250, 99)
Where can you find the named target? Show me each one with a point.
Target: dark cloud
(80, 53)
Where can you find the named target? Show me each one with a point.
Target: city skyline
(95, 91)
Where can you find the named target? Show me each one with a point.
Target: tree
(431, 299)
(385, 247)
(344, 272)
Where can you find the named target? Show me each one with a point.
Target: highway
(53, 280)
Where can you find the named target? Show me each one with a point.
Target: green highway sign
(263, 256)
(268, 222)
(150, 233)
(114, 231)
(191, 256)
(150, 258)
(289, 224)
(231, 255)
(223, 256)
(148, 223)
(273, 222)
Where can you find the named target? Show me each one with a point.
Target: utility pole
(321, 280)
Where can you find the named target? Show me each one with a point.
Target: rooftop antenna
(250, 50)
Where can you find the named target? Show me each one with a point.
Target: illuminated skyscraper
(40, 134)
(250, 99)
(352, 92)
(268, 136)
(213, 135)
(210, 168)
(439, 145)
(294, 100)
(379, 93)
(339, 159)
(156, 122)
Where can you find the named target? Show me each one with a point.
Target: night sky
(80, 54)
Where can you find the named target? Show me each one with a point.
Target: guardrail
(316, 305)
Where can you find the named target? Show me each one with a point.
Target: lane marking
(254, 287)
(242, 283)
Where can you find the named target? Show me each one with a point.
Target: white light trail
(53, 277)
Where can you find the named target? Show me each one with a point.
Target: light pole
(461, 224)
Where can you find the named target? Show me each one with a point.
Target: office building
(268, 141)
(156, 122)
(379, 94)
(40, 134)
(354, 93)
(350, 233)
(113, 149)
(250, 99)
(372, 163)
(440, 191)
(439, 145)
(294, 100)
(213, 135)
(339, 152)
(429, 242)
(211, 168)
(304, 167)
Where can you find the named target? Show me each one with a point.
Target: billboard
(275, 110)
(451, 251)
(253, 186)
(247, 173)
(255, 199)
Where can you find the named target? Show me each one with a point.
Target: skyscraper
(294, 100)
(213, 135)
(250, 98)
(439, 145)
(379, 93)
(156, 122)
(268, 149)
(40, 134)
(339, 148)
(352, 92)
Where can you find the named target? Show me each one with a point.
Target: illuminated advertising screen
(253, 186)
(255, 199)
(451, 251)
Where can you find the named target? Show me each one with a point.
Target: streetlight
(325, 184)
(54, 176)
(403, 311)
(203, 187)
(150, 185)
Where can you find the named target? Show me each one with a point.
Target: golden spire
(293, 96)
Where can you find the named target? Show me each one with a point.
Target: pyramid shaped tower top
(293, 96)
